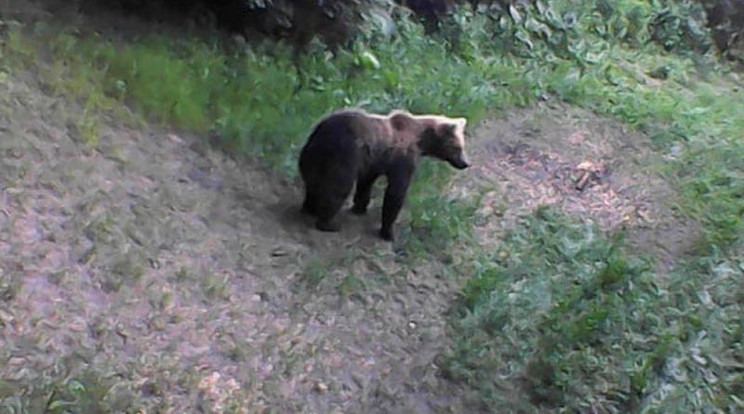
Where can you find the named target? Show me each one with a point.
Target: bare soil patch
(188, 280)
(583, 164)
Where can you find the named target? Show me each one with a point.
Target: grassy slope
(563, 311)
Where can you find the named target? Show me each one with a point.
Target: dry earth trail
(194, 281)
(187, 281)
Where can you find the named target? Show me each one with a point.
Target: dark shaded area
(726, 22)
(296, 21)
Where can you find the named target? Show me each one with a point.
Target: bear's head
(449, 144)
(439, 136)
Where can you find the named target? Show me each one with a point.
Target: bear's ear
(402, 121)
(462, 122)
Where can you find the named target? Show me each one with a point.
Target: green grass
(253, 103)
(252, 100)
(86, 392)
(561, 311)
(569, 318)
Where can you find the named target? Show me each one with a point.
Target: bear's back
(346, 126)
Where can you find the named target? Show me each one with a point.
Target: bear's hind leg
(310, 205)
(330, 201)
(327, 212)
(327, 215)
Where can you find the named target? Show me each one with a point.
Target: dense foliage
(337, 22)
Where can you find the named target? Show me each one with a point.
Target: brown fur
(353, 146)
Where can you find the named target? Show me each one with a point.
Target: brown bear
(353, 146)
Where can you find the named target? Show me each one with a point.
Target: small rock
(279, 252)
(586, 166)
(321, 387)
(158, 323)
(577, 137)
(239, 40)
(203, 179)
(175, 138)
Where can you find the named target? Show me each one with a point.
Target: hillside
(143, 269)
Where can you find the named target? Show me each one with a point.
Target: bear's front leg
(399, 178)
(363, 193)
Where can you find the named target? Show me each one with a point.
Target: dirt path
(194, 280)
(583, 164)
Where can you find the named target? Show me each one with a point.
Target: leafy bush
(679, 26)
(558, 29)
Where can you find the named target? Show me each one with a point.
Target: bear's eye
(452, 149)
(451, 144)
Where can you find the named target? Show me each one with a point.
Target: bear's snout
(460, 162)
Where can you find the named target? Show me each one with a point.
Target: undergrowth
(565, 315)
(563, 311)
(254, 102)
